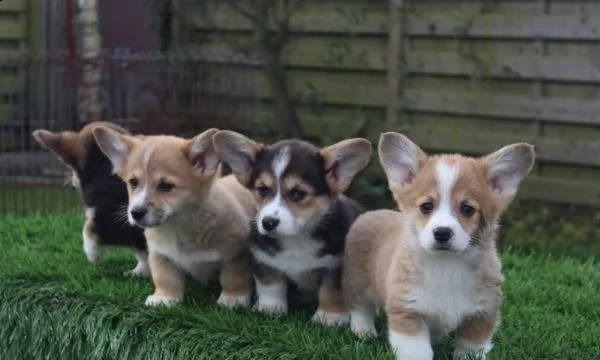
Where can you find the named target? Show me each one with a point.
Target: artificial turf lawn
(55, 305)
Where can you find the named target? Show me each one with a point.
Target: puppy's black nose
(138, 213)
(269, 223)
(442, 234)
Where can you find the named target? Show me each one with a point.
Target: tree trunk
(285, 110)
(92, 105)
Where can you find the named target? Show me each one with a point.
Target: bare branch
(245, 13)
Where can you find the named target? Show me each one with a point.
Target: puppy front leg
(271, 290)
(474, 337)
(236, 281)
(169, 281)
(332, 308)
(142, 268)
(408, 335)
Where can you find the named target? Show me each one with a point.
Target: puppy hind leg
(91, 243)
(332, 307)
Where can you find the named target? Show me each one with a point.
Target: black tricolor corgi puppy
(195, 222)
(433, 266)
(104, 194)
(302, 216)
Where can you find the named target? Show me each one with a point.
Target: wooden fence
(471, 76)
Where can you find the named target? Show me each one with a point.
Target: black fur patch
(107, 194)
(306, 159)
(478, 233)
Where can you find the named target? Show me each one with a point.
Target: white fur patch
(411, 347)
(75, 179)
(271, 298)
(139, 199)
(281, 162)
(330, 319)
(467, 350)
(92, 250)
(444, 216)
(141, 196)
(193, 261)
(186, 258)
(167, 301)
(298, 257)
(234, 301)
(447, 294)
(276, 208)
(146, 158)
(142, 269)
(362, 319)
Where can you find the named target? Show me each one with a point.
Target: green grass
(25, 199)
(55, 305)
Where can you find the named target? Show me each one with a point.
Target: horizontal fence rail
(473, 76)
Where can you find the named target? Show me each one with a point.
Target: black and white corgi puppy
(302, 217)
(433, 266)
(103, 193)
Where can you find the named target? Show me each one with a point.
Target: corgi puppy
(103, 193)
(195, 222)
(302, 216)
(433, 266)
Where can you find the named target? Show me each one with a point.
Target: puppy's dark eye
(262, 191)
(297, 195)
(426, 208)
(133, 182)
(165, 187)
(467, 210)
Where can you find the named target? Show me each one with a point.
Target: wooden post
(393, 57)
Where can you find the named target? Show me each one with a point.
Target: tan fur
(331, 299)
(69, 145)
(384, 264)
(352, 152)
(209, 215)
(168, 278)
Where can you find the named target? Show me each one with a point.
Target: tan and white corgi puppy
(195, 222)
(302, 218)
(103, 193)
(433, 266)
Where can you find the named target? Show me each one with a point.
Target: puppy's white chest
(298, 256)
(448, 292)
(169, 243)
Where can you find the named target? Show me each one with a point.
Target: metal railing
(149, 93)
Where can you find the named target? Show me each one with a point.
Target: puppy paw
(364, 331)
(271, 307)
(229, 301)
(141, 270)
(331, 318)
(93, 252)
(155, 300)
